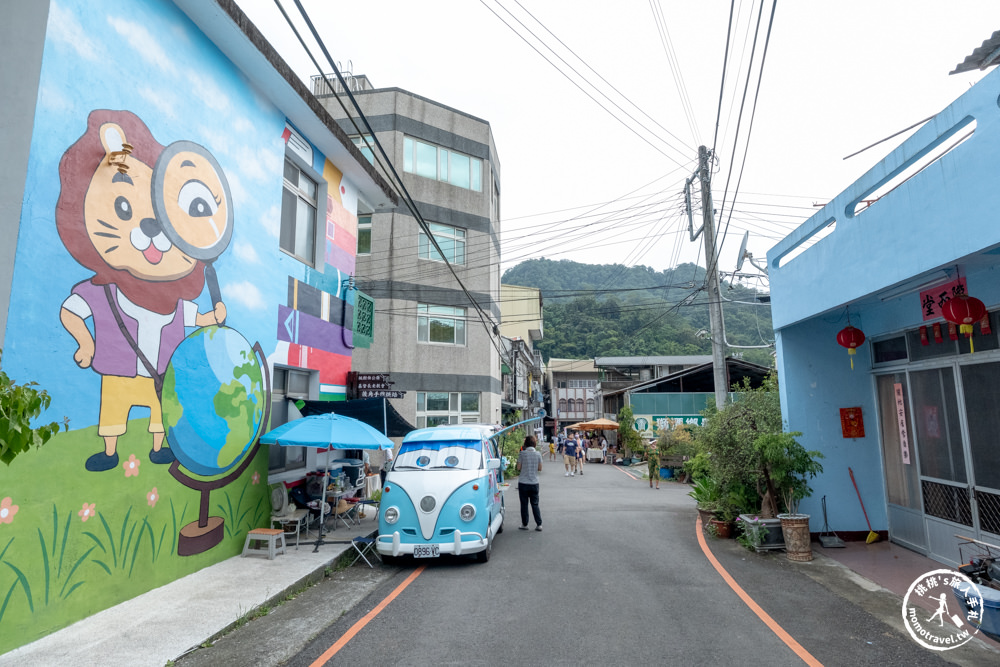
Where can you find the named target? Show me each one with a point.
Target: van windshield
(447, 455)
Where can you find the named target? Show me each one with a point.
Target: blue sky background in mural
(94, 59)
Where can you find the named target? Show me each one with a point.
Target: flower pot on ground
(795, 530)
(721, 528)
(706, 517)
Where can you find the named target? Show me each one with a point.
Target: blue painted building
(917, 416)
(179, 217)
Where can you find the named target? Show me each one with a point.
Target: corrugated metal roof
(681, 360)
(985, 56)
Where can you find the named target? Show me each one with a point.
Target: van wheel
(500, 529)
(484, 555)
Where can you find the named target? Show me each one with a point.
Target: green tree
(628, 437)
(19, 405)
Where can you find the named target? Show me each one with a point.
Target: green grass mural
(74, 542)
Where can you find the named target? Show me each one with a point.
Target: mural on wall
(149, 220)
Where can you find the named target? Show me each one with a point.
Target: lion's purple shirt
(113, 355)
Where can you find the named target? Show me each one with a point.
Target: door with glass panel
(981, 391)
(944, 474)
(902, 480)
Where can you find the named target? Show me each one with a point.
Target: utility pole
(716, 323)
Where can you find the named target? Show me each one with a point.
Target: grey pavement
(202, 608)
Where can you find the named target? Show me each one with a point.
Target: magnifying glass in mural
(193, 204)
(216, 389)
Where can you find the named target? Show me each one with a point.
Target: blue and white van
(442, 495)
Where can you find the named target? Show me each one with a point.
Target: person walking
(569, 456)
(529, 464)
(552, 450)
(654, 466)
(581, 452)
(604, 449)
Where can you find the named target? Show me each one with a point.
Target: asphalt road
(616, 578)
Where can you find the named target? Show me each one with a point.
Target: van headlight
(468, 512)
(391, 515)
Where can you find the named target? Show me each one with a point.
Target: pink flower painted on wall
(7, 511)
(87, 511)
(131, 466)
(255, 478)
(152, 497)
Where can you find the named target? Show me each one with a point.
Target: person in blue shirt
(569, 457)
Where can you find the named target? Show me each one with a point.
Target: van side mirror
(492, 464)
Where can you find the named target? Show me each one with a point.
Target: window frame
(427, 251)
(425, 317)
(319, 205)
(444, 165)
(365, 227)
(454, 414)
(281, 393)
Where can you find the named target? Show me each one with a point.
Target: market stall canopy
(376, 412)
(327, 431)
(598, 424)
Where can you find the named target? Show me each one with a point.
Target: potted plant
(722, 522)
(753, 531)
(706, 493)
(788, 467)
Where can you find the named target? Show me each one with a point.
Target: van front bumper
(391, 545)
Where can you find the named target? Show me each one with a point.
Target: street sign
(381, 393)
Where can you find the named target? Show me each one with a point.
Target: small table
(286, 522)
(595, 454)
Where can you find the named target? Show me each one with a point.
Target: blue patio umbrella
(326, 432)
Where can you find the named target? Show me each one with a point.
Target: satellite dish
(743, 251)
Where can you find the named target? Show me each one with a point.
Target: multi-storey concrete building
(431, 338)
(572, 383)
(522, 367)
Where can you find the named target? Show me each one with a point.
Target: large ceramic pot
(795, 529)
(706, 516)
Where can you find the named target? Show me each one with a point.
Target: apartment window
(451, 240)
(590, 405)
(287, 384)
(582, 384)
(562, 406)
(359, 141)
(442, 164)
(365, 234)
(298, 214)
(444, 325)
(441, 407)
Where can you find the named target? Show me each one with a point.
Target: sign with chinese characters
(852, 424)
(904, 438)
(931, 300)
(372, 385)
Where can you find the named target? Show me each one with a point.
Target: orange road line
(626, 472)
(754, 607)
(356, 628)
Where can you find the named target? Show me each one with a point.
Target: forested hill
(595, 310)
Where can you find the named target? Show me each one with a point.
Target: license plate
(426, 551)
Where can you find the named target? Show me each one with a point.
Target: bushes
(756, 463)
(19, 405)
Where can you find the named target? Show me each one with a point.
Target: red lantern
(964, 310)
(851, 337)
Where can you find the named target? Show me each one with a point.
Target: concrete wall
(398, 280)
(21, 40)
(872, 267)
(100, 514)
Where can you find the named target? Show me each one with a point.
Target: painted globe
(213, 400)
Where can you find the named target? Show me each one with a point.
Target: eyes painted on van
(422, 461)
(451, 461)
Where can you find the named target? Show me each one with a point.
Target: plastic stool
(275, 538)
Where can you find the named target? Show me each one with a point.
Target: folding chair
(364, 545)
(344, 512)
(367, 503)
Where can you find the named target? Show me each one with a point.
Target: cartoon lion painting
(127, 206)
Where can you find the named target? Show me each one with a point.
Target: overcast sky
(577, 183)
